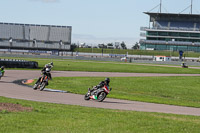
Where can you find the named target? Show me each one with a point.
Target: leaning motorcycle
(97, 94)
(184, 66)
(41, 83)
(1, 73)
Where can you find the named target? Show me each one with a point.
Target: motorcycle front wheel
(35, 87)
(87, 97)
(101, 96)
(42, 86)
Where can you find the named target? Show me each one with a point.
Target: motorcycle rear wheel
(101, 96)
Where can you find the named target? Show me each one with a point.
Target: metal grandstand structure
(35, 37)
(172, 31)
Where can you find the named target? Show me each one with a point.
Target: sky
(92, 21)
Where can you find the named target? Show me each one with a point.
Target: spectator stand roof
(173, 17)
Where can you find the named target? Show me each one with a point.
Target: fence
(13, 63)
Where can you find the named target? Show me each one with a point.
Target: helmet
(2, 67)
(47, 65)
(48, 70)
(107, 80)
(51, 63)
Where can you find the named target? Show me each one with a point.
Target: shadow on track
(5, 81)
(115, 102)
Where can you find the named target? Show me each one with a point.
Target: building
(162, 58)
(14, 36)
(170, 31)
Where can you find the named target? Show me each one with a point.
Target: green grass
(182, 91)
(98, 66)
(58, 118)
(116, 67)
(136, 52)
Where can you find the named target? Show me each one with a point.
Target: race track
(12, 90)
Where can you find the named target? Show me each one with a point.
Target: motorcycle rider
(50, 64)
(101, 84)
(45, 72)
(2, 71)
(184, 64)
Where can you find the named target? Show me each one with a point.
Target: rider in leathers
(101, 84)
(2, 71)
(46, 72)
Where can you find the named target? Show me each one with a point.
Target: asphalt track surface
(12, 90)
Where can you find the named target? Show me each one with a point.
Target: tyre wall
(10, 63)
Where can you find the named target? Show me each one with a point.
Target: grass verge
(98, 66)
(137, 52)
(58, 118)
(183, 91)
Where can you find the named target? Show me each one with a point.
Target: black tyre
(42, 86)
(35, 86)
(87, 97)
(101, 96)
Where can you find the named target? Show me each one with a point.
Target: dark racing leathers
(100, 85)
(2, 72)
(44, 73)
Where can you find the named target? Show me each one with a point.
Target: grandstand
(35, 37)
(169, 31)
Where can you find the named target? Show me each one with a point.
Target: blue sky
(92, 21)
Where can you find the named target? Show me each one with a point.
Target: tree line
(121, 45)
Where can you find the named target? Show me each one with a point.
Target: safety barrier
(14, 63)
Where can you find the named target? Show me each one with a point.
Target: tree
(123, 45)
(110, 46)
(117, 45)
(102, 46)
(136, 46)
(73, 46)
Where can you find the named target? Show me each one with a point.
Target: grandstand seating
(5, 44)
(39, 32)
(59, 33)
(39, 45)
(161, 24)
(183, 29)
(168, 42)
(173, 25)
(14, 31)
(182, 24)
(197, 26)
(46, 36)
(197, 43)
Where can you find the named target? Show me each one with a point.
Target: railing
(143, 34)
(28, 45)
(169, 42)
(170, 28)
(38, 32)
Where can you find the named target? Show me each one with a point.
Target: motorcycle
(97, 94)
(184, 66)
(1, 73)
(41, 83)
